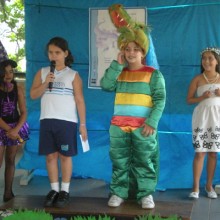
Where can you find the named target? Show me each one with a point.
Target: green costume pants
(135, 161)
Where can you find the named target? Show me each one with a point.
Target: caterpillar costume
(140, 98)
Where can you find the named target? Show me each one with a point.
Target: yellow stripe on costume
(141, 76)
(133, 99)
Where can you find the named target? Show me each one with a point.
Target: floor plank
(98, 206)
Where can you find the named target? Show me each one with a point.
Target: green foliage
(29, 215)
(105, 217)
(157, 217)
(41, 214)
(12, 15)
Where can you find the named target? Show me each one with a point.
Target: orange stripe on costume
(128, 129)
(142, 75)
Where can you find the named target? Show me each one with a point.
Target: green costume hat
(130, 31)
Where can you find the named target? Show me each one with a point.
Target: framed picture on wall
(103, 37)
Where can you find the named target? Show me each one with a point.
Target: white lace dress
(206, 121)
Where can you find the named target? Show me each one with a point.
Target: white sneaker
(115, 201)
(194, 195)
(212, 194)
(147, 202)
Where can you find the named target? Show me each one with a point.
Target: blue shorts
(58, 136)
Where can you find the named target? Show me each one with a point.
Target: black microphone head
(52, 62)
(52, 68)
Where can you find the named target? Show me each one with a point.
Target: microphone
(52, 68)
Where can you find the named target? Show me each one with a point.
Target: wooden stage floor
(98, 206)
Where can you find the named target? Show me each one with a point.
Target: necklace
(213, 80)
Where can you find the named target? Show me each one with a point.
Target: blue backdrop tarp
(179, 32)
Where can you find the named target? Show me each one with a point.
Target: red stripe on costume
(123, 121)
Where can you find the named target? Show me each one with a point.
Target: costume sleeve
(109, 80)
(158, 93)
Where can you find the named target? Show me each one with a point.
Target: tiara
(212, 49)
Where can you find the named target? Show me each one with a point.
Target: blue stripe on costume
(132, 110)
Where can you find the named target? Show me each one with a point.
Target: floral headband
(212, 49)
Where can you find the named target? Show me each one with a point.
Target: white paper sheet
(85, 144)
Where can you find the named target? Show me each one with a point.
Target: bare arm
(38, 88)
(13, 133)
(80, 104)
(22, 108)
(4, 125)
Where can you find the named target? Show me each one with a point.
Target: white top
(59, 103)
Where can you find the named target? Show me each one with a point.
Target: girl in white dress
(204, 89)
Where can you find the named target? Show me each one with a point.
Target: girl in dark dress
(14, 129)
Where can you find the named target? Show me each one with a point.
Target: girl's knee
(212, 155)
(200, 156)
(52, 157)
(65, 159)
(10, 163)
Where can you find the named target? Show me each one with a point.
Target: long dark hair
(3, 65)
(63, 45)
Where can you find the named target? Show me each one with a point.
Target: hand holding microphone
(52, 68)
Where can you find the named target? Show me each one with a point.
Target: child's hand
(121, 58)
(217, 92)
(147, 130)
(13, 134)
(83, 132)
(207, 94)
(50, 77)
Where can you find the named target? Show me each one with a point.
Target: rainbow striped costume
(140, 98)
